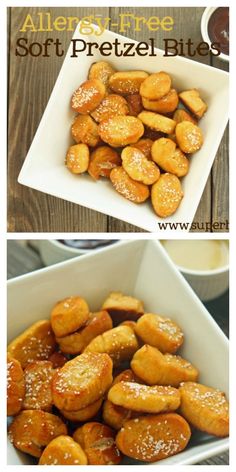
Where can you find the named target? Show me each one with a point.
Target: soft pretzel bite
(127, 82)
(102, 71)
(126, 375)
(155, 86)
(144, 145)
(77, 158)
(157, 122)
(88, 96)
(85, 130)
(115, 415)
(102, 161)
(153, 437)
(84, 414)
(38, 377)
(75, 343)
(138, 167)
(134, 103)
(57, 359)
(32, 430)
(123, 307)
(121, 130)
(63, 450)
(144, 398)
(134, 191)
(166, 195)
(189, 137)
(82, 381)
(159, 332)
(177, 164)
(166, 104)
(162, 150)
(98, 442)
(155, 368)
(129, 323)
(192, 100)
(182, 115)
(109, 106)
(119, 343)
(15, 386)
(205, 408)
(68, 315)
(34, 344)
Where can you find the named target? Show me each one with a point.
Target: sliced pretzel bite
(121, 130)
(205, 408)
(102, 71)
(77, 158)
(32, 430)
(155, 86)
(75, 343)
(192, 100)
(111, 105)
(144, 398)
(177, 164)
(138, 167)
(102, 161)
(88, 96)
(85, 130)
(84, 414)
(166, 195)
(38, 378)
(68, 315)
(155, 368)
(159, 332)
(34, 344)
(63, 450)
(134, 191)
(123, 307)
(57, 359)
(15, 386)
(120, 343)
(183, 115)
(82, 381)
(134, 103)
(162, 150)
(153, 437)
(115, 415)
(98, 442)
(145, 145)
(127, 82)
(166, 104)
(189, 137)
(157, 122)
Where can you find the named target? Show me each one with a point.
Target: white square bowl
(142, 269)
(44, 167)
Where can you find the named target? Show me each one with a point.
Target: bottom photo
(118, 352)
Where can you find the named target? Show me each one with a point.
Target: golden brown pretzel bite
(205, 408)
(138, 167)
(153, 437)
(123, 307)
(192, 100)
(68, 315)
(32, 430)
(188, 136)
(155, 86)
(84, 414)
(82, 381)
(102, 161)
(166, 195)
(15, 386)
(77, 158)
(121, 130)
(38, 378)
(166, 104)
(134, 191)
(111, 105)
(159, 332)
(145, 145)
(157, 122)
(34, 344)
(98, 442)
(127, 82)
(63, 450)
(183, 115)
(88, 96)
(144, 398)
(155, 368)
(85, 130)
(102, 71)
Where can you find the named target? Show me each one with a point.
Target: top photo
(117, 119)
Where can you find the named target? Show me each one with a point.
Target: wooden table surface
(31, 81)
(21, 259)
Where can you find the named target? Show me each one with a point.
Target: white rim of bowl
(204, 273)
(72, 250)
(204, 30)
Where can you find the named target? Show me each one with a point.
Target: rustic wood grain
(31, 81)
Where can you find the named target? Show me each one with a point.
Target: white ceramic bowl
(204, 30)
(208, 284)
(142, 269)
(44, 167)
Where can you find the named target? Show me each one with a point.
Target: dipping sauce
(218, 28)
(86, 243)
(198, 255)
